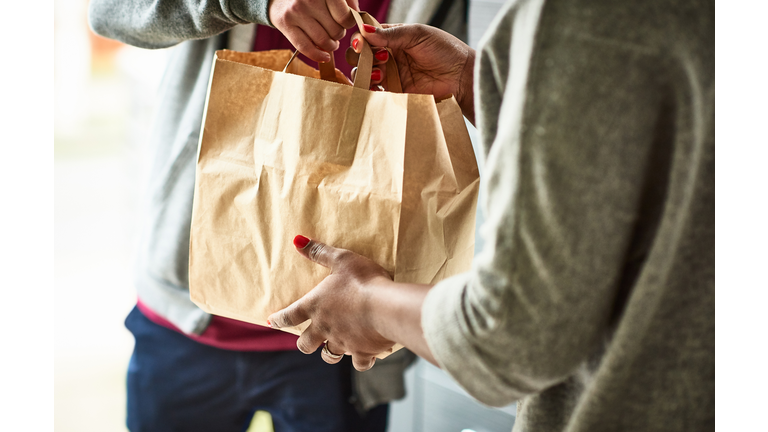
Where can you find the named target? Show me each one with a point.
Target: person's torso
(655, 370)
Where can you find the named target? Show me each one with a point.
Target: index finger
(291, 316)
(389, 36)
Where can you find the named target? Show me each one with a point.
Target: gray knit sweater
(593, 302)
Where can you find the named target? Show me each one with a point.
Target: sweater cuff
(252, 11)
(454, 347)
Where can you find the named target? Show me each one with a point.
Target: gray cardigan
(199, 28)
(593, 301)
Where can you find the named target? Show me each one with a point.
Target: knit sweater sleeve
(164, 23)
(567, 143)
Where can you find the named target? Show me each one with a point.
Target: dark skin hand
(430, 61)
(358, 309)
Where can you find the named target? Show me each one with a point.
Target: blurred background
(104, 92)
(104, 97)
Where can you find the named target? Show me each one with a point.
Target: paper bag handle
(328, 70)
(365, 61)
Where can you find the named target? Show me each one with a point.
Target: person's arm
(570, 138)
(164, 23)
(312, 27)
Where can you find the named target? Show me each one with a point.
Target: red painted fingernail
(369, 28)
(376, 75)
(300, 241)
(354, 43)
(269, 323)
(382, 55)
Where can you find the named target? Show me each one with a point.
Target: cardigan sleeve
(164, 23)
(567, 133)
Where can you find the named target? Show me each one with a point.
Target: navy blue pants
(177, 384)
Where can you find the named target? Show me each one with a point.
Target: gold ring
(330, 354)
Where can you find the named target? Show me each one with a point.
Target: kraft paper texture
(390, 176)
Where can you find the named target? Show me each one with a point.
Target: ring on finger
(330, 354)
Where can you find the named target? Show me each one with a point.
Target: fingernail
(300, 241)
(269, 323)
(369, 28)
(382, 55)
(354, 43)
(376, 75)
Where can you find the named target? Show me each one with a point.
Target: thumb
(315, 251)
(354, 4)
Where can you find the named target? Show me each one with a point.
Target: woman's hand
(313, 27)
(430, 61)
(339, 307)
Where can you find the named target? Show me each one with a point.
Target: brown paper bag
(388, 175)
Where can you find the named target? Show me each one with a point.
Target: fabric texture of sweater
(593, 300)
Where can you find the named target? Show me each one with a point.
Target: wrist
(377, 306)
(394, 310)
